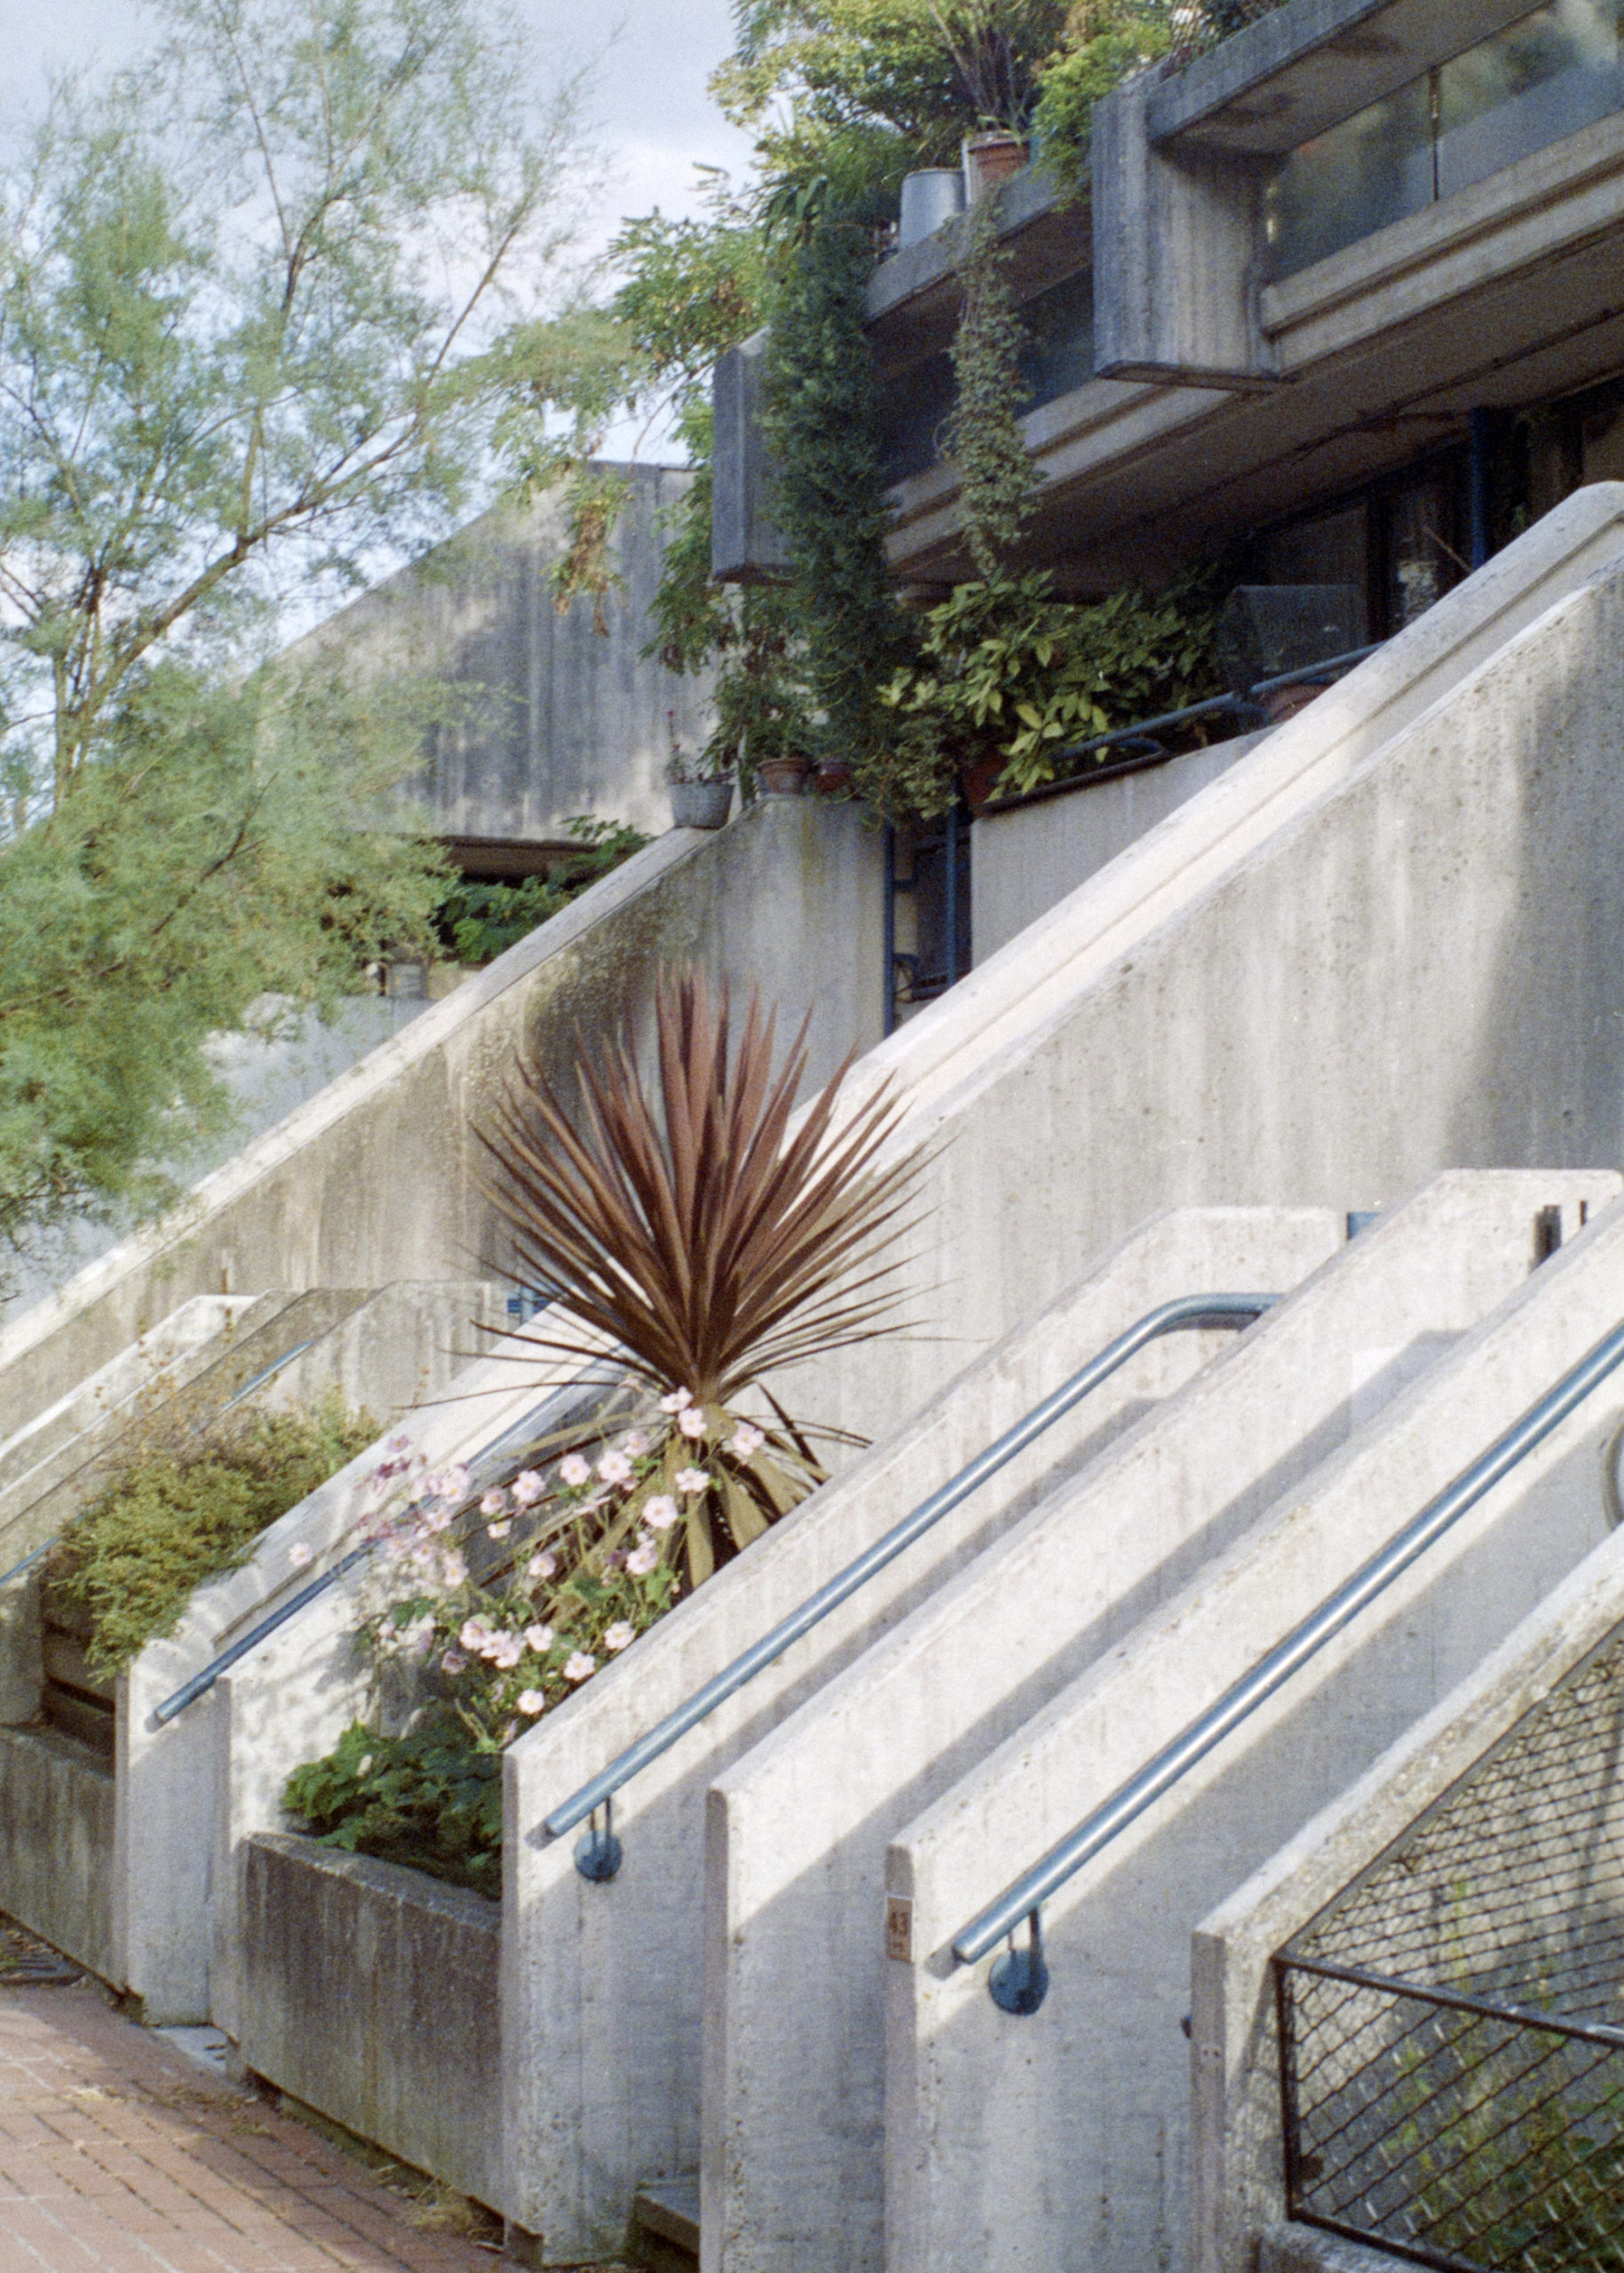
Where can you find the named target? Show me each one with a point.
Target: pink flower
(615, 1468)
(619, 1635)
(580, 1667)
(453, 1569)
(643, 1558)
(574, 1471)
(499, 1531)
(744, 1441)
(541, 1567)
(690, 1480)
(474, 1635)
(454, 1661)
(532, 1701)
(504, 1650)
(660, 1513)
(494, 1503)
(539, 1638)
(299, 1555)
(691, 1421)
(677, 1401)
(453, 1483)
(635, 1445)
(527, 1488)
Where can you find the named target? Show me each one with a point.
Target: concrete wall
(550, 716)
(610, 1978)
(55, 1823)
(370, 1993)
(799, 2118)
(371, 1180)
(1025, 861)
(1237, 2155)
(1095, 2089)
(1380, 945)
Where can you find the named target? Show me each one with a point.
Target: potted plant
(702, 787)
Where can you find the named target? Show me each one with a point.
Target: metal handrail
(1019, 1978)
(511, 1440)
(597, 1855)
(1217, 704)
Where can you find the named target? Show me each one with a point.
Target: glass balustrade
(1555, 70)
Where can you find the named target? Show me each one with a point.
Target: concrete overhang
(913, 301)
(1311, 64)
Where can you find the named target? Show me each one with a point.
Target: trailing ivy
(998, 483)
(831, 493)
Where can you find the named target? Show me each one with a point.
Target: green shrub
(191, 1503)
(480, 921)
(432, 1799)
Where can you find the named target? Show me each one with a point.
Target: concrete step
(665, 2224)
(795, 2108)
(611, 1978)
(1104, 2064)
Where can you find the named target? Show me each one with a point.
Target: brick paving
(117, 2155)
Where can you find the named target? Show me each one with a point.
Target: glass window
(1556, 69)
(1352, 180)
(1547, 76)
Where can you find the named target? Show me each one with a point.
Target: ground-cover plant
(189, 1503)
(478, 921)
(693, 1241)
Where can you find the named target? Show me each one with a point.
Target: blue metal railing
(1020, 1977)
(597, 1855)
(551, 1414)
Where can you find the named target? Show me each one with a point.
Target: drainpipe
(1481, 461)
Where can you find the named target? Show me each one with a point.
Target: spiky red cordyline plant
(707, 1244)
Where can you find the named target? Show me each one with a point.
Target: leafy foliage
(190, 1504)
(1004, 668)
(431, 1799)
(253, 293)
(480, 921)
(213, 866)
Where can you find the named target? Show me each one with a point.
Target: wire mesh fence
(1451, 2026)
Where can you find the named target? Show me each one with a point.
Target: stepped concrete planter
(370, 1993)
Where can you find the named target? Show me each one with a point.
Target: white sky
(656, 122)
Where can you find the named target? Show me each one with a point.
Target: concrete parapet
(611, 1976)
(797, 2118)
(1374, 948)
(1287, 2248)
(56, 1823)
(1025, 860)
(1237, 2153)
(371, 1180)
(1104, 2068)
(369, 1993)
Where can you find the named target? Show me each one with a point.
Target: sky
(656, 121)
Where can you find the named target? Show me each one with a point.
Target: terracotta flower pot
(833, 778)
(979, 778)
(990, 159)
(701, 804)
(783, 777)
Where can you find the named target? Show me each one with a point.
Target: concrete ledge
(56, 1845)
(1291, 2248)
(369, 1993)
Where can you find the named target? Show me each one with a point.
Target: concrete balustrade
(603, 1984)
(1236, 2154)
(1095, 2090)
(794, 2116)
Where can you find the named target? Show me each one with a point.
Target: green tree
(259, 300)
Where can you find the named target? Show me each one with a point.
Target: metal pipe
(1107, 1822)
(1480, 469)
(510, 1441)
(1392, 1985)
(1190, 1313)
(1218, 703)
(888, 1005)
